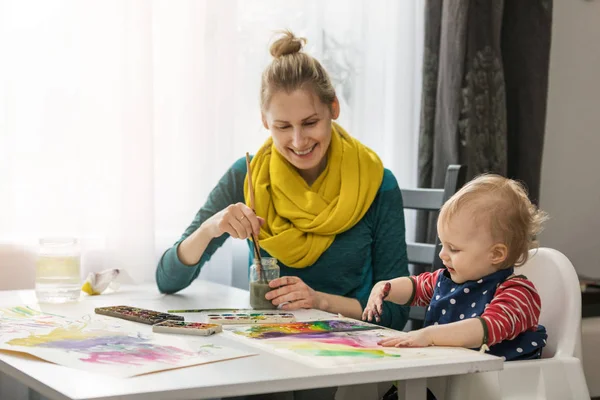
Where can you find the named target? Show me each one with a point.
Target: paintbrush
(259, 269)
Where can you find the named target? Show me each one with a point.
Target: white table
(263, 373)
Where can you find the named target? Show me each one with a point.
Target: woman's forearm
(192, 248)
(346, 306)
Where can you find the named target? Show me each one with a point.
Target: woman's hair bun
(287, 44)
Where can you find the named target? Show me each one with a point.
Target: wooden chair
(424, 256)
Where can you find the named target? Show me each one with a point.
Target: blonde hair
(292, 69)
(503, 204)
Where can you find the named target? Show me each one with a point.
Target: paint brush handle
(256, 244)
(250, 187)
(256, 250)
(259, 266)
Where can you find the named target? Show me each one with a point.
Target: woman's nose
(298, 139)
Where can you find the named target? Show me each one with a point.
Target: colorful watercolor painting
(335, 349)
(23, 319)
(95, 346)
(270, 331)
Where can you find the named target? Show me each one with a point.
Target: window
(117, 118)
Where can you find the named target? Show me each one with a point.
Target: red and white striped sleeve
(423, 285)
(515, 308)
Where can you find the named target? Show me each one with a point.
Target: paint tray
(144, 316)
(186, 328)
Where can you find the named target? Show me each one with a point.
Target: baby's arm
(468, 333)
(515, 308)
(398, 290)
(415, 290)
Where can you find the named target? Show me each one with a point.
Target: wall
(570, 187)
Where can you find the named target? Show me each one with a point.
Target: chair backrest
(426, 254)
(556, 281)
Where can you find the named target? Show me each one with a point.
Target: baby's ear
(264, 120)
(498, 253)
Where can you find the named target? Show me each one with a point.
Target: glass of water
(259, 282)
(57, 274)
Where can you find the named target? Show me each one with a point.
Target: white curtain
(117, 117)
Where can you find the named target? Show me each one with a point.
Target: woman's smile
(306, 153)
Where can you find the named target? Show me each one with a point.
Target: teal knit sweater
(372, 250)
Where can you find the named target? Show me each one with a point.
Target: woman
(325, 206)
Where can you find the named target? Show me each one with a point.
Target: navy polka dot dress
(452, 302)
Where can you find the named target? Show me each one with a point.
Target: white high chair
(559, 374)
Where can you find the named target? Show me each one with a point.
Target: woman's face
(301, 128)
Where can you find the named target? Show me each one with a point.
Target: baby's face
(467, 248)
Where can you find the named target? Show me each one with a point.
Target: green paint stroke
(366, 353)
(25, 311)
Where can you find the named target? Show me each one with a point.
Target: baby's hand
(418, 338)
(374, 306)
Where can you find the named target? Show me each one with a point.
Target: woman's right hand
(374, 306)
(238, 220)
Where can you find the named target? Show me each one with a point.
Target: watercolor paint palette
(186, 328)
(250, 318)
(144, 316)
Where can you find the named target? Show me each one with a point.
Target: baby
(486, 229)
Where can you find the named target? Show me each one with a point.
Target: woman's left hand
(418, 338)
(294, 292)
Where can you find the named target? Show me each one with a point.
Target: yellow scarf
(302, 221)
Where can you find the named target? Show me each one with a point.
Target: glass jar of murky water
(259, 282)
(57, 274)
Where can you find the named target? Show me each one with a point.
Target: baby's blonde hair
(292, 69)
(504, 206)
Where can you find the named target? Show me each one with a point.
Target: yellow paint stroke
(70, 332)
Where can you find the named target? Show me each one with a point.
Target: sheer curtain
(117, 117)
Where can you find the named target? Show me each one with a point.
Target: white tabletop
(265, 372)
